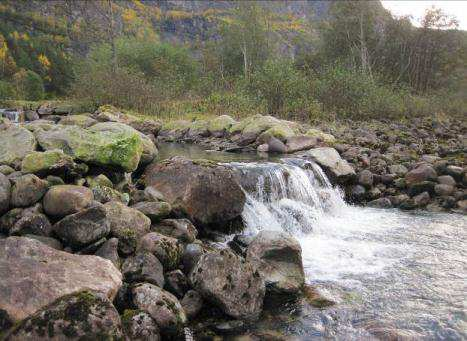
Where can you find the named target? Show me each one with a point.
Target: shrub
(351, 93)
(29, 85)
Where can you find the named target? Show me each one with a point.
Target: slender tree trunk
(112, 36)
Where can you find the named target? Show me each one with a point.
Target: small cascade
(290, 196)
(13, 115)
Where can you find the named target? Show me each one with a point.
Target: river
(391, 273)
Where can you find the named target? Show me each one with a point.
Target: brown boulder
(204, 191)
(63, 200)
(33, 275)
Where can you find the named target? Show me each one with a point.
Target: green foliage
(6, 90)
(29, 85)
(351, 93)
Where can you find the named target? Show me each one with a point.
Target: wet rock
(84, 227)
(161, 305)
(316, 299)
(229, 327)
(230, 283)
(380, 203)
(37, 224)
(276, 146)
(204, 191)
(422, 199)
(263, 148)
(109, 250)
(143, 267)
(126, 224)
(192, 303)
(27, 190)
(48, 162)
(299, 143)
(167, 249)
(5, 193)
(33, 275)
(419, 174)
(365, 178)
(176, 283)
(121, 150)
(462, 206)
(182, 229)
(278, 258)
(191, 255)
(16, 143)
(139, 326)
(337, 168)
(82, 315)
(154, 210)
(63, 200)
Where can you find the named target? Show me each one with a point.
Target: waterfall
(296, 197)
(291, 196)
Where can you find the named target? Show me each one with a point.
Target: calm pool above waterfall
(392, 273)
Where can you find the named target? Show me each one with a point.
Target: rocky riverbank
(99, 238)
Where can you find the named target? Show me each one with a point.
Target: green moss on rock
(38, 162)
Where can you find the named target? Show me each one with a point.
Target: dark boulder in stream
(202, 190)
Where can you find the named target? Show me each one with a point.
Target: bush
(351, 93)
(6, 90)
(122, 88)
(29, 85)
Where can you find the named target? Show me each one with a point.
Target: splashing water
(407, 269)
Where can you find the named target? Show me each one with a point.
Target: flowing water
(391, 273)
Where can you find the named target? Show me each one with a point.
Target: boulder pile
(101, 240)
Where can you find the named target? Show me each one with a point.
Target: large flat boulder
(335, 167)
(33, 275)
(116, 149)
(16, 143)
(204, 191)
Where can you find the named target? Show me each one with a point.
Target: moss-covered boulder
(82, 120)
(15, 144)
(254, 125)
(80, 316)
(116, 149)
(198, 128)
(162, 306)
(175, 129)
(320, 135)
(167, 249)
(48, 162)
(149, 148)
(219, 126)
(127, 224)
(279, 131)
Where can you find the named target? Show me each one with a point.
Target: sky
(417, 9)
